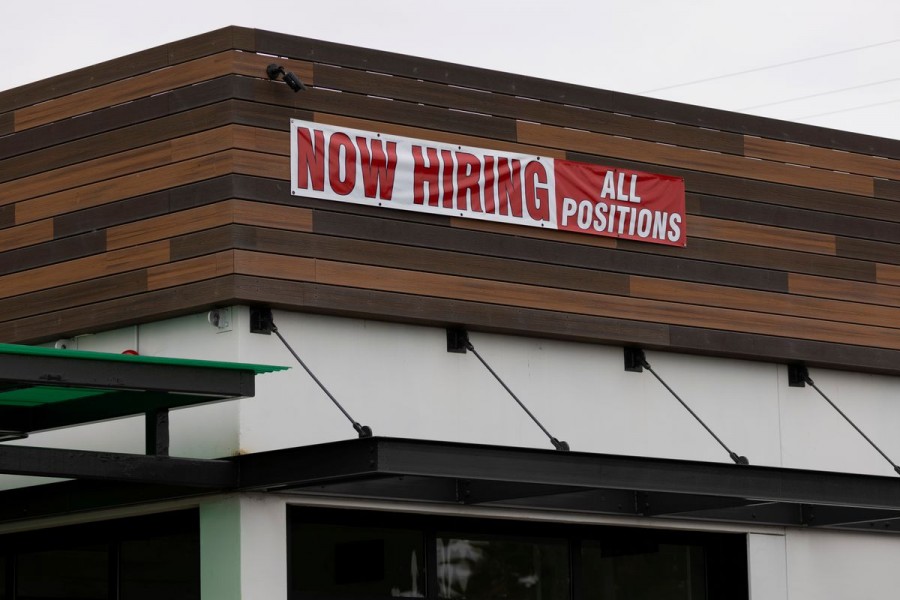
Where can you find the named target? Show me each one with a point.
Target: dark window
(478, 567)
(142, 558)
(81, 573)
(644, 571)
(354, 554)
(345, 561)
(160, 567)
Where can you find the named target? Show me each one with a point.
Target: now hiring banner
(377, 169)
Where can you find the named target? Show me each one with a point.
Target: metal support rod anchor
(458, 340)
(364, 431)
(636, 361)
(798, 376)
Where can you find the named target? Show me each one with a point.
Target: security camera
(273, 71)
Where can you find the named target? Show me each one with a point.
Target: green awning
(46, 388)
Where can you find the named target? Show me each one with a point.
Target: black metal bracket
(634, 360)
(798, 375)
(261, 320)
(457, 340)
(156, 432)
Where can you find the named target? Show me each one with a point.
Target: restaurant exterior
(282, 318)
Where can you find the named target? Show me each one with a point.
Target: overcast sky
(843, 71)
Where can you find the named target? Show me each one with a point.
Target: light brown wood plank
(190, 270)
(274, 265)
(888, 274)
(760, 235)
(206, 217)
(841, 289)
(155, 82)
(825, 158)
(435, 135)
(462, 288)
(766, 302)
(84, 269)
(117, 165)
(135, 184)
(26, 235)
(170, 225)
(275, 216)
(533, 232)
(689, 158)
(262, 165)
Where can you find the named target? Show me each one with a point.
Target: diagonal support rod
(799, 375)
(463, 339)
(636, 361)
(364, 431)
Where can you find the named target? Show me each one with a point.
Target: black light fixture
(273, 71)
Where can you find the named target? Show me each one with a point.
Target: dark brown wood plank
(729, 230)
(693, 159)
(434, 135)
(542, 251)
(421, 259)
(414, 90)
(56, 251)
(122, 164)
(64, 297)
(118, 141)
(7, 124)
(441, 312)
(824, 287)
(135, 184)
(541, 89)
(568, 301)
(825, 158)
(752, 300)
(116, 117)
(764, 192)
(406, 113)
(209, 216)
(887, 189)
(155, 82)
(869, 250)
(762, 257)
(128, 66)
(119, 312)
(82, 269)
(7, 216)
(144, 207)
(782, 349)
(809, 220)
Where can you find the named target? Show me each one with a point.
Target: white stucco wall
(401, 381)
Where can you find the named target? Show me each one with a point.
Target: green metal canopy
(47, 388)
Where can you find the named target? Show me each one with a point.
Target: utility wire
(766, 68)
(828, 93)
(834, 112)
(809, 381)
(363, 430)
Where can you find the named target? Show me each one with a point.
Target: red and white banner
(376, 169)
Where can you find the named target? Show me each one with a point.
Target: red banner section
(364, 167)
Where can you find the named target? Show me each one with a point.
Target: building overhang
(447, 473)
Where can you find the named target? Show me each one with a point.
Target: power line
(834, 112)
(844, 89)
(775, 66)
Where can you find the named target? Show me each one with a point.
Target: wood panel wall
(158, 184)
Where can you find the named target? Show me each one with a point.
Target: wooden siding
(157, 185)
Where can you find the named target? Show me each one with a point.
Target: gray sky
(652, 47)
